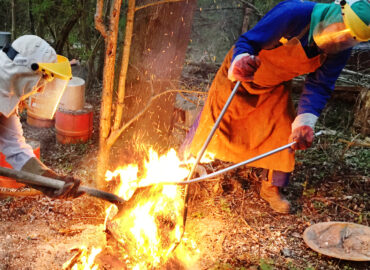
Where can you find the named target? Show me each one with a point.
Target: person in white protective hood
(26, 67)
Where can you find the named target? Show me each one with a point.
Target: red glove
(303, 136)
(243, 67)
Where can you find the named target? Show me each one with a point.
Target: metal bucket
(74, 126)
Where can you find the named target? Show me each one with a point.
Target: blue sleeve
(287, 19)
(320, 84)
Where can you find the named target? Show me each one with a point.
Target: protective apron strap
(10, 51)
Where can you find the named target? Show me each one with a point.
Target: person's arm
(317, 90)
(21, 156)
(320, 84)
(286, 19)
(12, 143)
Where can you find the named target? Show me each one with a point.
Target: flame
(83, 260)
(153, 228)
(152, 225)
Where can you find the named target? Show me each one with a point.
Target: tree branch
(64, 32)
(157, 3)
(115, 134)
(99, 22)
(250, 5)
(124, 63)
(355, 73)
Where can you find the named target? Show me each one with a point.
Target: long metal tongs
(212, 132)
(232, 167)
(33, 179)
(205, 145)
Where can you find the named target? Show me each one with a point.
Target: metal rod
(38, 180)
(200, 154)
(232, 167)
(215, 126)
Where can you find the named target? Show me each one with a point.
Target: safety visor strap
(10, 52)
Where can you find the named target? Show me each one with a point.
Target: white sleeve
(12, 143)
(304, 119)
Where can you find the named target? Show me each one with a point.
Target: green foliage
(50, 19)
(264, 265)
(224, 205)
(40, 7)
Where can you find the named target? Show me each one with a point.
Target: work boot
(272, 195)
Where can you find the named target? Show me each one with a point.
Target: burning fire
(83, 260)
(152, 225)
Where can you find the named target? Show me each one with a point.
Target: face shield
(50, 88)
(334, 37)
(340, 29)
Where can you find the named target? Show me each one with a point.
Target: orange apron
(260, 115)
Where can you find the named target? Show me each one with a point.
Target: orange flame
(84, 260)
(151, 228)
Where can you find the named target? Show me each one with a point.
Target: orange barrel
(7, 182)
(73, 97)
(74, 126)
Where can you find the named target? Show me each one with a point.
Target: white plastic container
(73, 98)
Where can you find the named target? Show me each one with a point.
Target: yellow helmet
(356, 17)
(61, 69)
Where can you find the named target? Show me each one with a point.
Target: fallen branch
(25, 193)
(354, 143)
(356, 73)
(68, 265)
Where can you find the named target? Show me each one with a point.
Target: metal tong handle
(34, 179)
(200, 154)
(232, 167)
(215, 126)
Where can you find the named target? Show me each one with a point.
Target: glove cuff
(304, 119)
(35, 166)
(236, 59)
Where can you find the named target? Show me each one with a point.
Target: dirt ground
(232, 227)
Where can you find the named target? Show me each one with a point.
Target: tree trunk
(92, 71)
(110, 37)
(161, 36)
(13, 20)
(30, 15)
(63, 35)
(162, 29)
(246, 20)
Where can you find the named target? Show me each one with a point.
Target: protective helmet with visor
(30, 66)
(341, 25)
